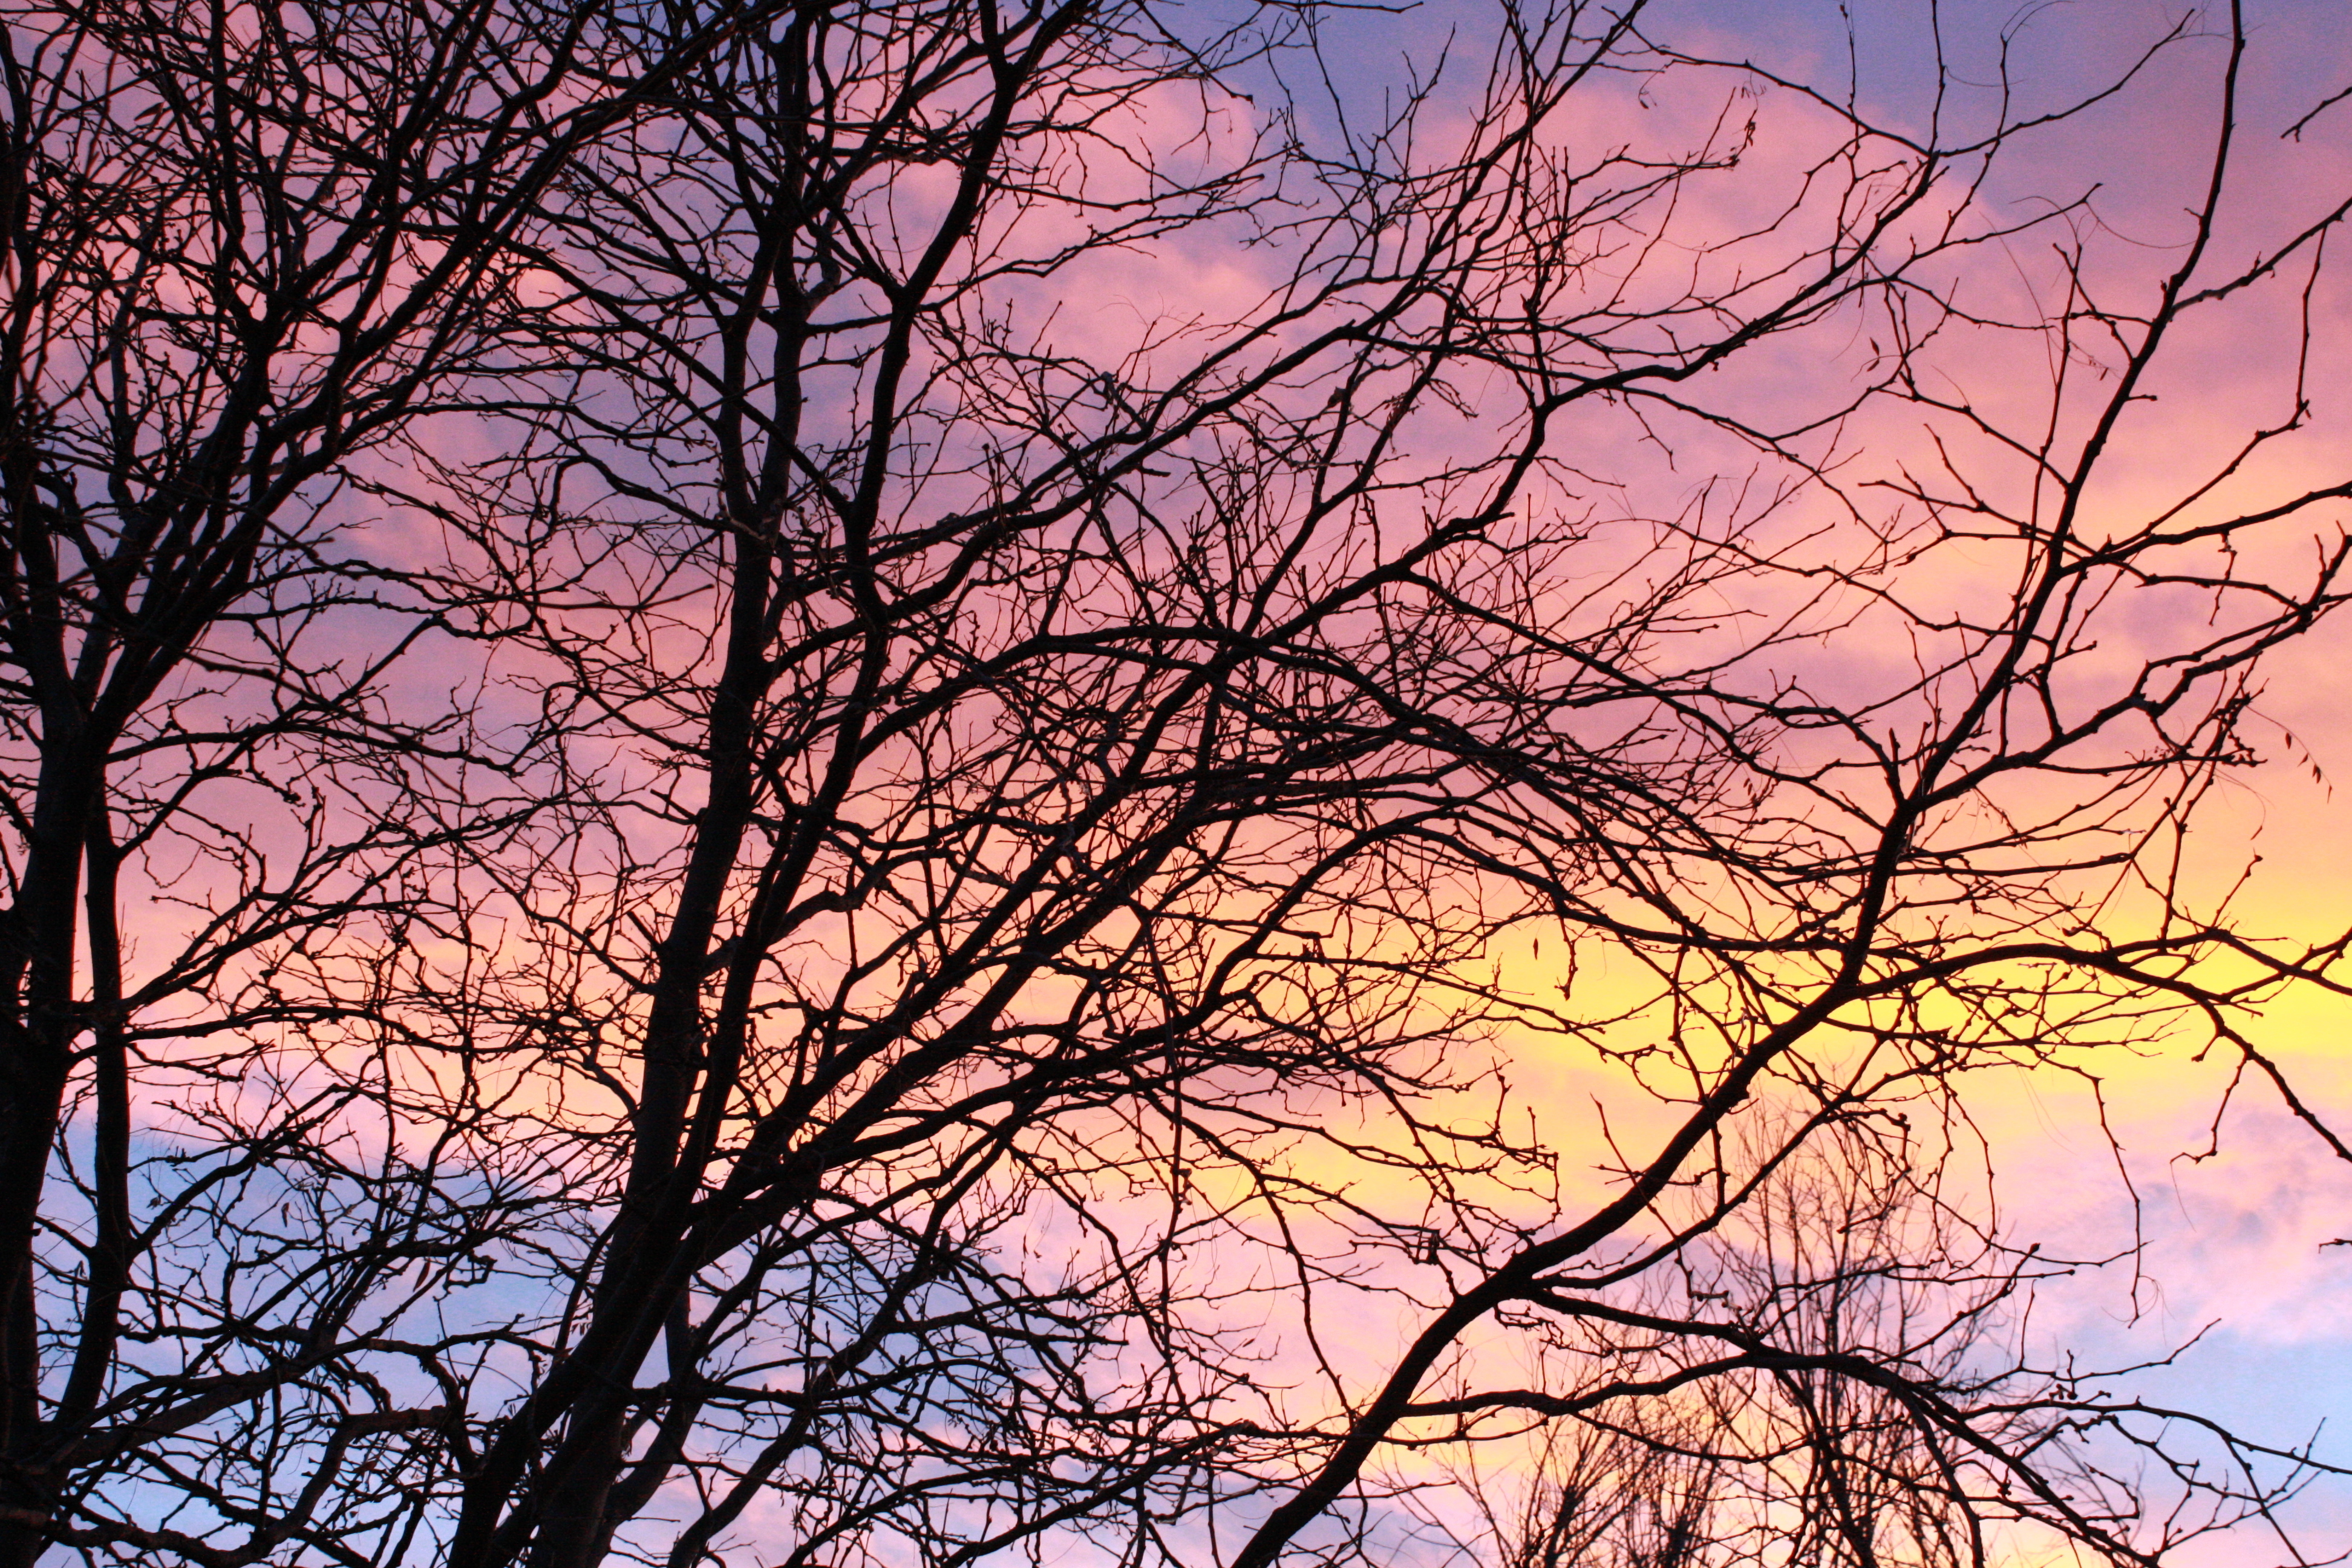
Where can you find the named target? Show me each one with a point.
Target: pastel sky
(2234, 1242)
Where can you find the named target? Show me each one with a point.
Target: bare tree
(1009, 791)
(956, 984)
(244, 246)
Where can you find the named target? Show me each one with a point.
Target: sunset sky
(2234, 1244)
(1122, 803)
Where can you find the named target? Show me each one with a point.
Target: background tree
(962, 989)
(1758, 1442)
